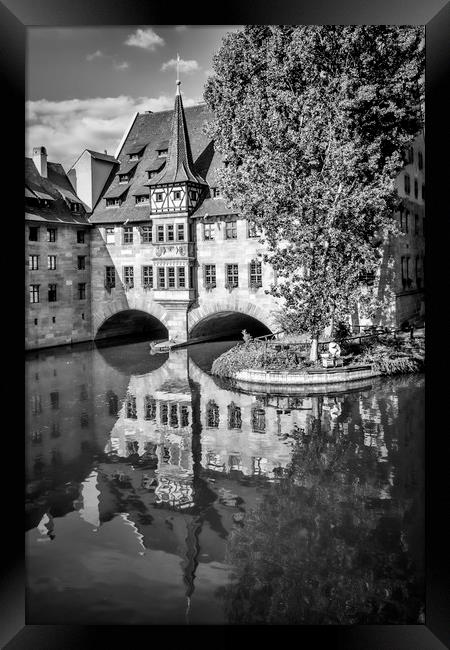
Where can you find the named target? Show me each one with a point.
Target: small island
(286, 360)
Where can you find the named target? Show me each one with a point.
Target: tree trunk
(313, 355)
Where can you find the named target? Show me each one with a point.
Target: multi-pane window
(33, 262)
(160, 232)
(231, 229)
(75, 207)
(170, 233)
(208, 231)
(51, 262)
(36, 404)
(210, 275)
(255, 273)
(128, 234)
(251, 229)
(110, 277)
(234, 416)
(142, 199)
(34, 293)
(212, 414)
(174, 416)
(81, 262)
(128, 276)
(149, 408)
(407, 184)
(420, 159)
(146, 234)
(180, 232)
(181, 277)
(184, 416)
(113, 202)
(147, 276)
(80, 236)
(123, 178)
(258, 419)
(232, 275)
(161, 278)
(130, 407)
(52, 292)
(163, 414)
(110, 236)
(81, 290)
(33, 233)
(171, 277)
(51, 234)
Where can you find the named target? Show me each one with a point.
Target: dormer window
(215, 192)
(152, 174)
(113, 202)
(75, 207)
(162, 153)
(133, 156)
(123, 178)
(142, 199)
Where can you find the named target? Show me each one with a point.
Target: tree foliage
(311, 122)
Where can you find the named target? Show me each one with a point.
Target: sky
(83, 85)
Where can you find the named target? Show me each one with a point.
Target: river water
(157, 495)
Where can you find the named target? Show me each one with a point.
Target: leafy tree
(311, 122)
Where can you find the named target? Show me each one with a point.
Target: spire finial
(178, 74)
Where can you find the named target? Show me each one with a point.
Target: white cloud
(68, 127)
(121, 66)
(185, 66)
(94, 55)
(145, 38)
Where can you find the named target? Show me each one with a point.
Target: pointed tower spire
(179, 167)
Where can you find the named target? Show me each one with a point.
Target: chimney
(40, 160)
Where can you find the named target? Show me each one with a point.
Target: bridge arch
(226, 314)
(116, 321)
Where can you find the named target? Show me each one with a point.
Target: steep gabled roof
(56, 190)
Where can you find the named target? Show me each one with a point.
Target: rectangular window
(407, 182)
(420, 159)
(231, 229)
(174, 416)
(170, 233)
(130, 407)
(191, 277)
(177, 195)
(54, 400)
(160, 231)
(161, 278)
(180, 232)
(110, 236)
(81, 262)
(52, 292)
(36, 404)
(51, 262)
(128, 234)
(80, 236)
(184, 416)
(163, 414)
(110, 277)
(146, 234)
(128, 276)
(416, 189)
(251, 229)
(34, 293)
(255, 273)
(33, 233)
(234, 416)
(258, 420)
(159, 197)
(149, 408)
(416, 224)
(113, 402)
(181, 277)
(147, 277)
(208, 231)
(84, 420)
(232, 275)
(51, 234)
(141, 199)
(215, 192)
(113, 202)
(210, 276)
(171, 277)
(407, 221)
(81, 290)
(33, 262)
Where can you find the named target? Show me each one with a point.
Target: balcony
(174, 295)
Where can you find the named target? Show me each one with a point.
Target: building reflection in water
(230, 483)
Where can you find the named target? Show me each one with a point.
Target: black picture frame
(16, 16)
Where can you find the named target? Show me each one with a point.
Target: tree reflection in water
(329, 544)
